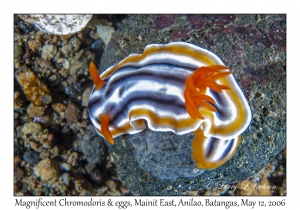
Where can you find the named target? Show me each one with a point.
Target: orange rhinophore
(95, 76)
(104, 120)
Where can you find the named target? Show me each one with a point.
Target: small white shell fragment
(65, 166)
(105, 32)
(85, 97)
(58, 24)
(65, 178)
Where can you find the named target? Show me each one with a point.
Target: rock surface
(93, 146)
(58, 24)
(47, 170)
(31, 157)
(36, 90)
(72, 114)
(254, 48)
(31, 128)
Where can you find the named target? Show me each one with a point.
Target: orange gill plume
(196, 85)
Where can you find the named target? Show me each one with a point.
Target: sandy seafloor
(56, 151)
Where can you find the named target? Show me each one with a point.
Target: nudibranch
(176, 87)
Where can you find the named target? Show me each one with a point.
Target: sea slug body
(176, 87)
